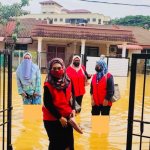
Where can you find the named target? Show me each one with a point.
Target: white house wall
(133, 52)
(68, 16)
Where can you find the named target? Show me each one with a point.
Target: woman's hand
(63, 122)
(35, 95)
(105, 102)
(73, 113)
(92, 101)
(90, 75)
(24, 94)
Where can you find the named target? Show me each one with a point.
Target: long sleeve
(110, 88)
(73, 96)
(91, 89)
(19, 85)
(87, 75)
(38, 82)
(48, 103)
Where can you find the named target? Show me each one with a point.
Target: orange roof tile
(82, 32)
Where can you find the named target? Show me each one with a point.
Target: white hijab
(74, 67)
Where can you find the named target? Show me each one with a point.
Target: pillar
(82, 49)
(124, 49)
(107, 49)
(74, 47)
(39, 51)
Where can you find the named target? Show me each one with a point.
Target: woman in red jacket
(75, 73)
(57, 110)
(101, 92)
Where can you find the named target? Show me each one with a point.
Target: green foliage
(138, 20)
(34, 57)
(14, 10)
(10, 13)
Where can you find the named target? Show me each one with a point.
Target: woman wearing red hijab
(57, 110)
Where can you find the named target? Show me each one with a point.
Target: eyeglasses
(57, 68)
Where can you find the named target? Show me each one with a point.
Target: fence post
(9, 114)
(131, 103)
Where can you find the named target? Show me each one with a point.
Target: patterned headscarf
(62, 82)
(104, 69)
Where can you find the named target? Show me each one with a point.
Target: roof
(142, 35)
(27, 23)
(133, 47)
(76, 11)
(50, 2)
(78, 32)
(6, 31)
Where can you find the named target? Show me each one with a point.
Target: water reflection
(31, 135)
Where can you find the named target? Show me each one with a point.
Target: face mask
(58, 73)
(76, 64)
(97, 69)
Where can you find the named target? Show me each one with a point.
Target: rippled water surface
(31, 135)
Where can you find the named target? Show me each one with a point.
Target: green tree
(138, 20)
(9, 13)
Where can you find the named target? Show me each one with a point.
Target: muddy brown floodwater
(31, 135)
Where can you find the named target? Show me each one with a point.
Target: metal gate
(131, 120)
(5, 99)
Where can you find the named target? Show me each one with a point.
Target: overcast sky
(114, 11)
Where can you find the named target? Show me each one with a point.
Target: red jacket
(60, 101)
(77, 79)
(100, 89)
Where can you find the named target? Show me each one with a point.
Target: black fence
(131, 120)
(6, 98)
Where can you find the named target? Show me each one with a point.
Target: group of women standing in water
(63, 83)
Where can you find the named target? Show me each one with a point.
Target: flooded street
(31, 135)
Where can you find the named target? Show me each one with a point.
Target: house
(141, 35)
(48, 40)
(54, 13)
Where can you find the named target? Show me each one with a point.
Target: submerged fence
(135, 61)
(5, 98)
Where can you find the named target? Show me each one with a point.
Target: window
(105, 22)
(55, 19)
(16, 53)
(99, 21)
(44, 12)
(88, 19)
(61, 20)
(119, 53)
(145, 51)
(21, 47)
(94, 19)
(148, 51)
(50, 21)
(67, 21)
(91, 51)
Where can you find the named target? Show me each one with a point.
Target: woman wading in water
(57, 110)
